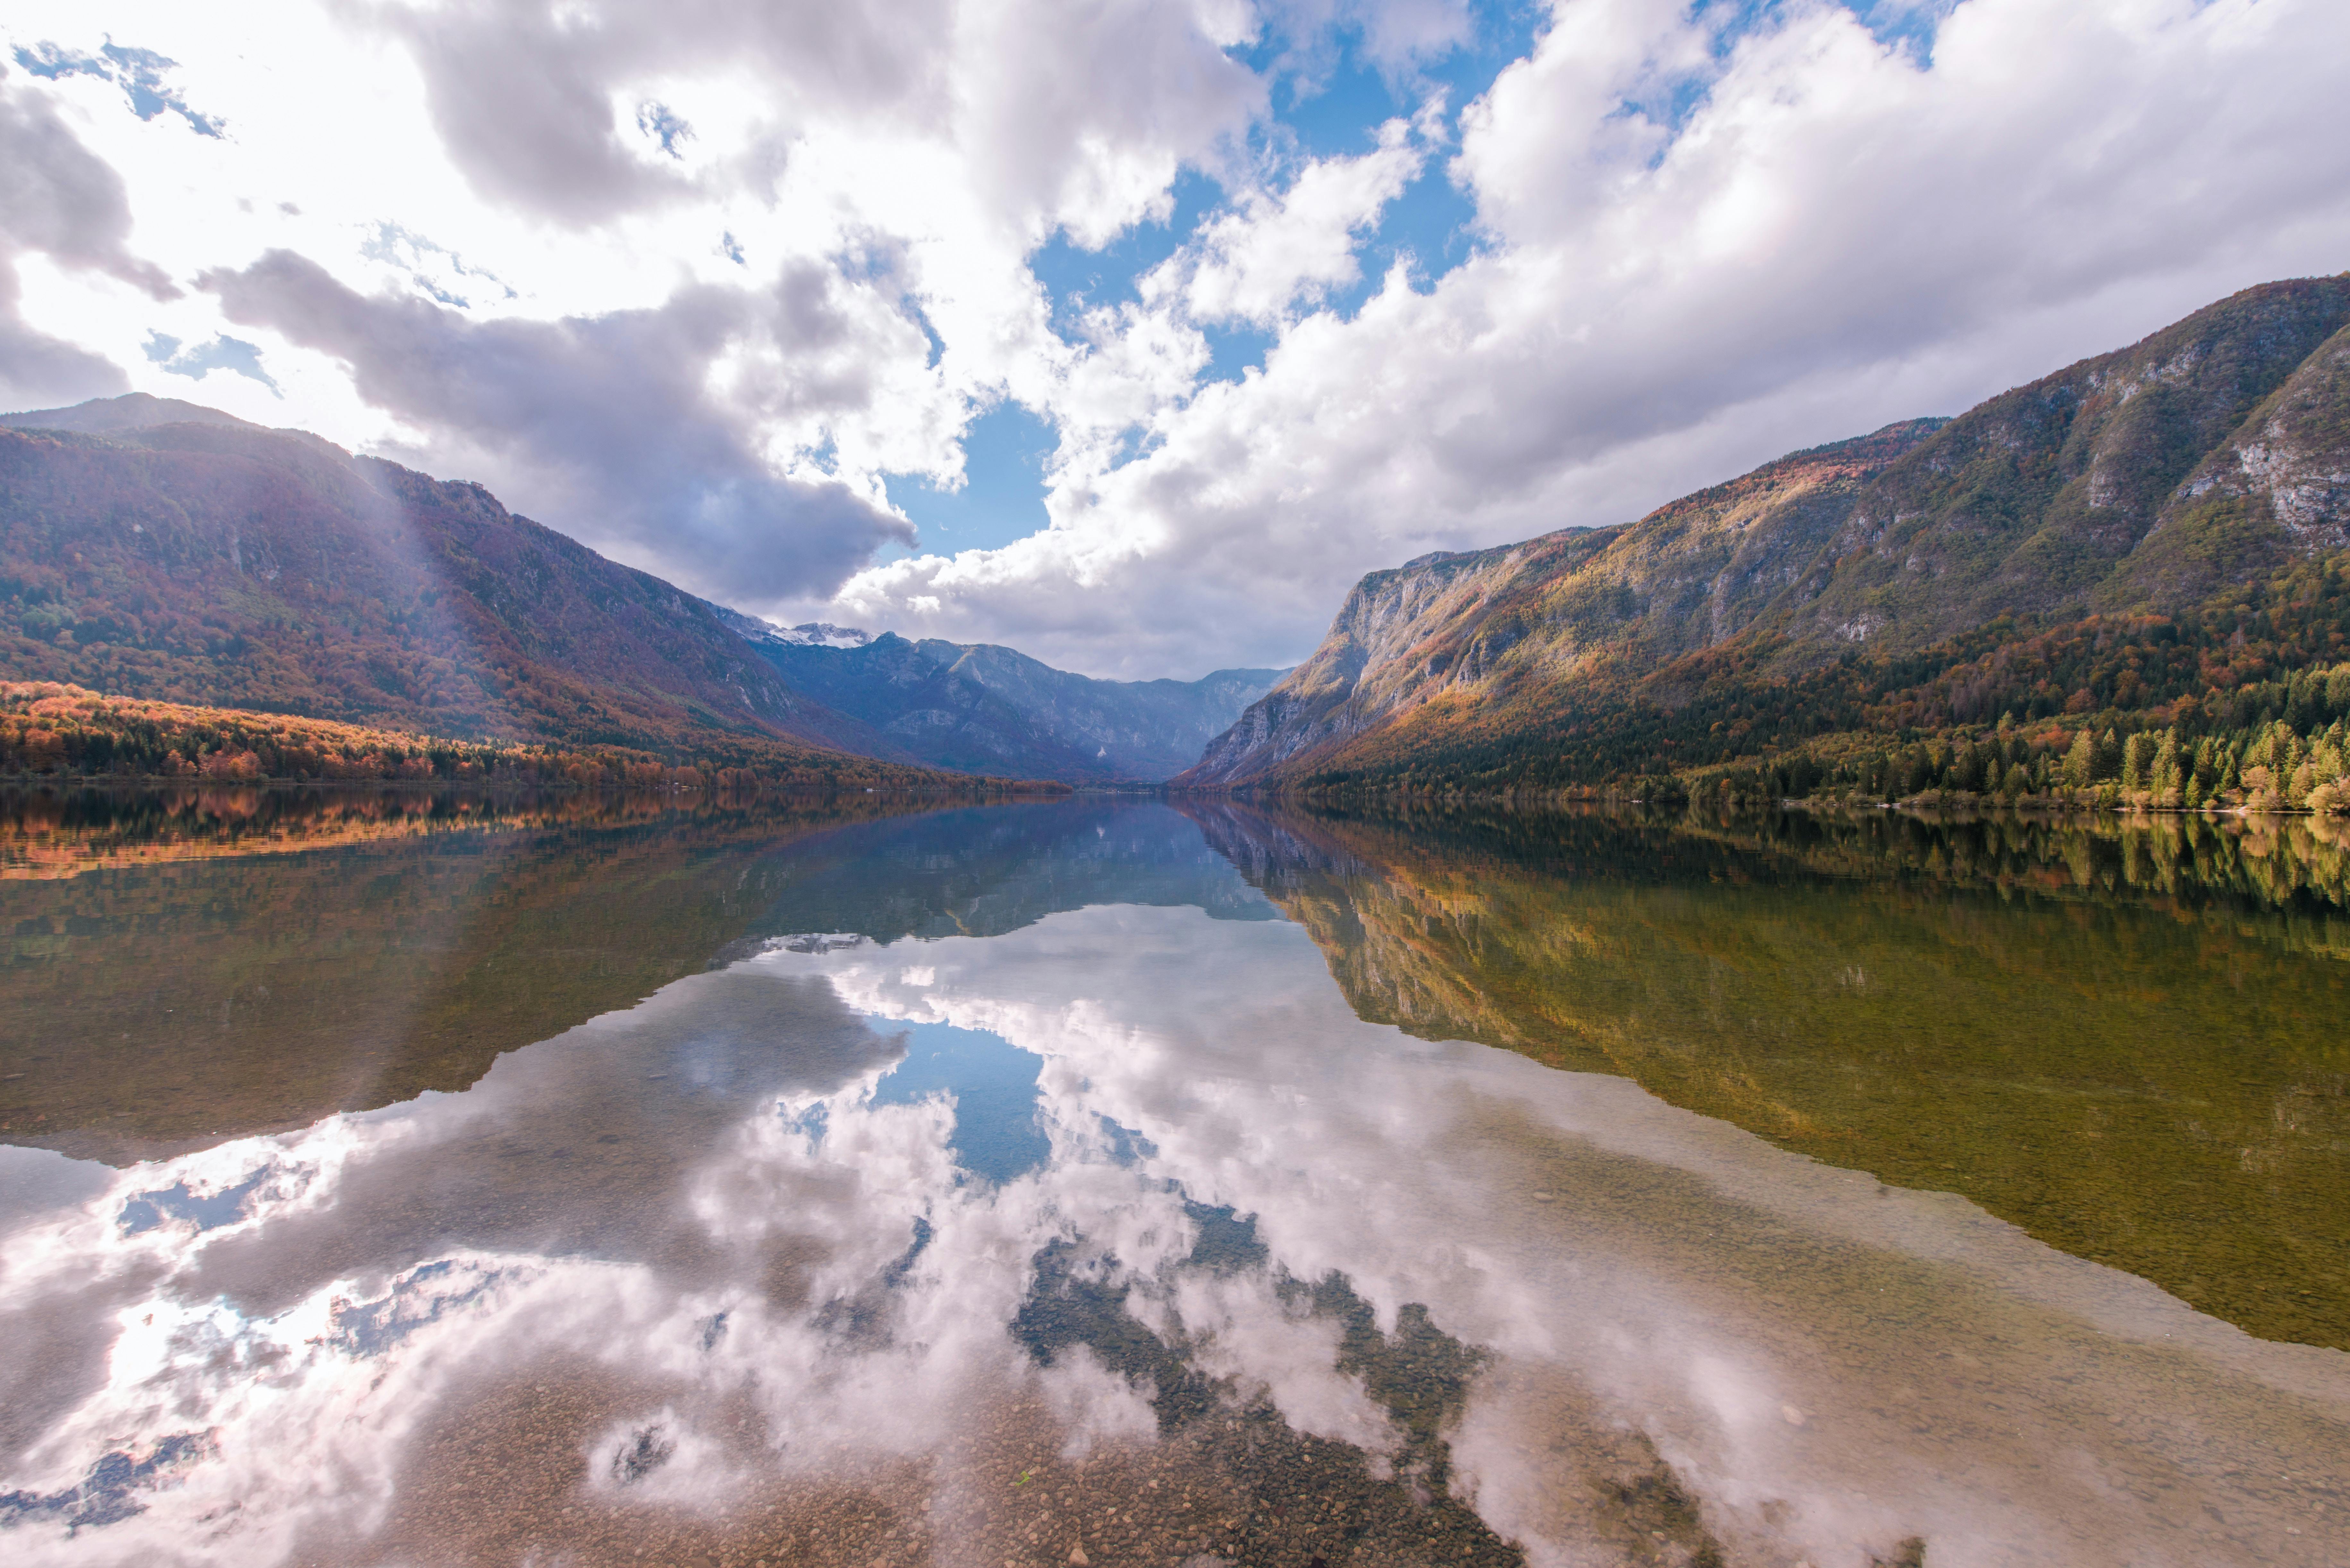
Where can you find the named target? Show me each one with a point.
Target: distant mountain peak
(753, 630)
(981, 706)
(824, 634)
(131, 411)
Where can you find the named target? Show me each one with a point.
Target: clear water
(411, 1182)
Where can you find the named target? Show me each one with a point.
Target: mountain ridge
(982, 705)
(215, 563)
(2208, 463)
(159, 550)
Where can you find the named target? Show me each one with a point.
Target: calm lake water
(423, 1181)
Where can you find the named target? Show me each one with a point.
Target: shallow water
(417, 1182)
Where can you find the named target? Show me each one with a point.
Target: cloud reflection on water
(694, 1259)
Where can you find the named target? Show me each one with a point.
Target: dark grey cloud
(60, 199)
(40, 372)
(603, 426)
(522, 90)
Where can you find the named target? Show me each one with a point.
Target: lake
(425, 1178)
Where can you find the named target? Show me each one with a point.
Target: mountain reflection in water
(1014, 1186)
(2128, 1039)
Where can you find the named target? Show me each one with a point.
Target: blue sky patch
(1429, 224)
(206, 1211)
(1911, 23)
(1002, 496)
(1236, 349)
(138, 72)
(1338, 115)
(660, 122)
(1076, 279)
(221, 354)
(107, 1494)
(396, 246)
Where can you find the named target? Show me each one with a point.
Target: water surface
(416, 1180)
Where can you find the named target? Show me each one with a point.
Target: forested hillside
(216, 564)
(48, 729)
(2154, 543)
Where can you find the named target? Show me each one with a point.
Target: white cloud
(1277, 248)
(687, 281)
(1835, 236)
(59, 202)
(456, 236)
(1398, 36)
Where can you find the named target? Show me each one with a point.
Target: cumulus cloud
(696, 282)
(1277, 247)
(528, 94)
(1071, 112)
(611, 414)
(58, 200)
(1398, 36)
(1838, 233)
(1078, 116)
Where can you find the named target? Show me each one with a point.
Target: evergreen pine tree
(2081, 760)
(2108, 765)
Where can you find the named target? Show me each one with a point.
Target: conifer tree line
(2268, 766)
(2238, 705)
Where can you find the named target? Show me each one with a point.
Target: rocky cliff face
(2278, 487)
(213, 562)
(2207, 457)
(1453, 638)
(2045, 499)
(984, 707)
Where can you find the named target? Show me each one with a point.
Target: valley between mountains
(164, 552)
(2127, 583)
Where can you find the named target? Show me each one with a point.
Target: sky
(1127, 334)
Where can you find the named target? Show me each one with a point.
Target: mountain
(977, 707)
(155, 549)
(808, 634)
(131, 411)
(2079, 546)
